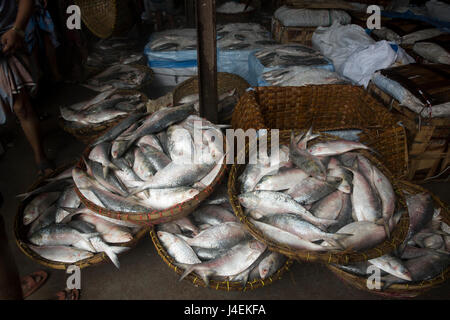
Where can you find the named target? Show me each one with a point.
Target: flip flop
(43, 166)
(68, 294)
(32, 282)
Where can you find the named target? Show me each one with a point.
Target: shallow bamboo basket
(401, 290)
(87, 134)
(106, 18)
(326, 108)
(225, 82)
(214, 284)
(345, 257)
(20, 232)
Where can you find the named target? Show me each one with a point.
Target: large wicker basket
(87, 134)
(106, 18)
(217, 285)
(326, 107)
(401, 290)
(344, 257)
(428, 139)
(152, 217)
(225, 82)
(20, 232)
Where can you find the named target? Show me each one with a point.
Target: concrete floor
(143, 274)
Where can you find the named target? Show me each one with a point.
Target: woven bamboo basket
(20, 232)
(345, 257)
(428, 138)
(152, 217)
(217, 285)
(87, 134)
(283, 34)
(325, 108)
(401, 290)
(106, 18)
(225, 82)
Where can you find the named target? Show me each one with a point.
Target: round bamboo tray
(225, 82)
(401, 290)
(343, 257)
(89, 133)
(325, 108)
(217, 285)
(106, 18)
(152, 217)
(20, 232)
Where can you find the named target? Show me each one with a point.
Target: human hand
(11, 41)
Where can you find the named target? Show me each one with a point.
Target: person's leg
(30, 125)
(50, 52)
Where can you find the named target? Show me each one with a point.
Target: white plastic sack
(355, 55)
(438, 10)
(310, 17)
(432, 52)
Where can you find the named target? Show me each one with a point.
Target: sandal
(32, 282)
(68, 294)
(45, 168)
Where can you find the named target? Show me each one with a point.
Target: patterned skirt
(15, 75)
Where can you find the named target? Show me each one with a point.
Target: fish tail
(188, 268)
(112, 255)
(119, 250)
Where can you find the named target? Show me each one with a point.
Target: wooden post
(207, 58)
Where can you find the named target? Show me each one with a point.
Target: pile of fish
(104, 107)
(61, 229)
(243, 36)
(119, 76)
(214, 244)
(290, 55)
(174, 40)
(319, 197)
(424, 255)
(115, 50)
(152, 161)
(226, 103)
(235, 36)
(301, 76)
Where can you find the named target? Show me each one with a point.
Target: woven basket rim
(152, 217)
(220, 76)
(403, 289)
(398, 234)
(214, 284)
(97, 258)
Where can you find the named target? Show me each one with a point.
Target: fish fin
(385, 224)
(24, 195)
(336, 243)
(105, 171)
(72, 212)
